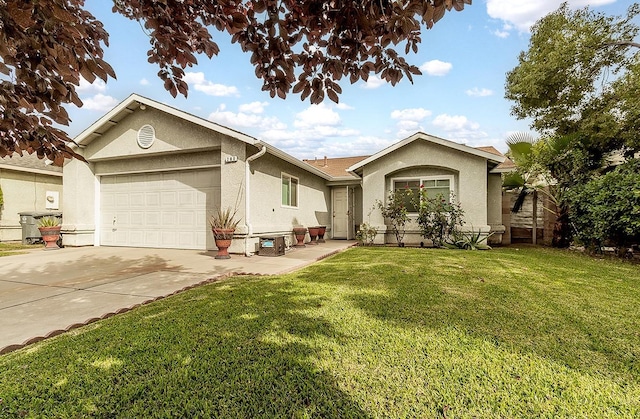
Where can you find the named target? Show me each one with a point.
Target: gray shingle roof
(27, 163)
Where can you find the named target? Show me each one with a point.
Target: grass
(369, 333)
(15, 248)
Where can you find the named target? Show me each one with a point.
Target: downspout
(247, 198)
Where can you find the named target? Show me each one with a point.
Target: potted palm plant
(49, 227)
(223, 225)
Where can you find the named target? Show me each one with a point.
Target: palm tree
(536, 161)
(525, 178)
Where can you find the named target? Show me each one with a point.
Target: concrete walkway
(46, 293)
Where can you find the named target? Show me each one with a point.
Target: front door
(342, 214)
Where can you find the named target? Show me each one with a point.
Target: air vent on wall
(146, 135)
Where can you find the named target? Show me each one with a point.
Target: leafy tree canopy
(303, 47)
(580, 75)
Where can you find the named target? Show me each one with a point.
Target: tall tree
(299, 46)
(577, 77)
(579, 83)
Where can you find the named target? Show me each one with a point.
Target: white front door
(342, 216)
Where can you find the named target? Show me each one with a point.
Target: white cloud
(98, 86)
(317, 115)
(479, 92)
(411, 114)
(100, 102)
(207, 87)
(524, 13)
(409, 121)
(314, 127)
(253, 107)
(454, 122)
(144, 82)
(458, 128)
(436, 68)
(250, 118)
(359, 146)
(373, 82)
(344, 107)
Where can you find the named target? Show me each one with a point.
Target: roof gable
(135, 102)
(482, 152)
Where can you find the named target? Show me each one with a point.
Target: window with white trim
(433, 185)
(289, 190)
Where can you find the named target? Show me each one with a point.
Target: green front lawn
(371, 332)
(15, 248)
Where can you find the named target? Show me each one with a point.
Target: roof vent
(146, 135)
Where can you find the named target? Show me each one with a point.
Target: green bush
(396, 212)
(438, 218)
(606, 210)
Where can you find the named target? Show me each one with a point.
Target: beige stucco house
(28, 184)
(154, 173)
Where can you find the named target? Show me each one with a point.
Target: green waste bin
(29, 222)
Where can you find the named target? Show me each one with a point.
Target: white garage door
(165, 209)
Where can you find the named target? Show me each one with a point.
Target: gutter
(247, 199)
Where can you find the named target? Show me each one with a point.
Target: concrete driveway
(45, 293)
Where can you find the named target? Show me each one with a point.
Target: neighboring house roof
(135, 102)
(421, 136)
(336, 167)
(506, 166)
(29, 163)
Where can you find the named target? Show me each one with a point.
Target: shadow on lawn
(586, 326)
(232, 349)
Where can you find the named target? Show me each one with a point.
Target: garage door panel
(152, 219)
(136, 199)
(152, 199)
(166, 209)
(137, 218)
(122, 200)
(168, 198)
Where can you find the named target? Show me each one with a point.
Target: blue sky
(459, 97)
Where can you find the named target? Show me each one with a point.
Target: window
(289, 191)
(433, 185)
(411, 187)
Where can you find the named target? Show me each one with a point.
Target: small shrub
(395, 212)
(468, 241)
(366, 234)
(438, 219)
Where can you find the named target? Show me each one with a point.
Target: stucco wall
(172, 135)
(79, 207)
(422, 158)
(268, 215)
(23, 192)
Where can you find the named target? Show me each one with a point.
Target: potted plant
(49, 227)
(300, 233)
(223, 225)
(313, 234)
(321, 232)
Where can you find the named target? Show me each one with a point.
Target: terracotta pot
(300, 233)
(321, 232)
(313, 233)
(223, 237)
(50, 236)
